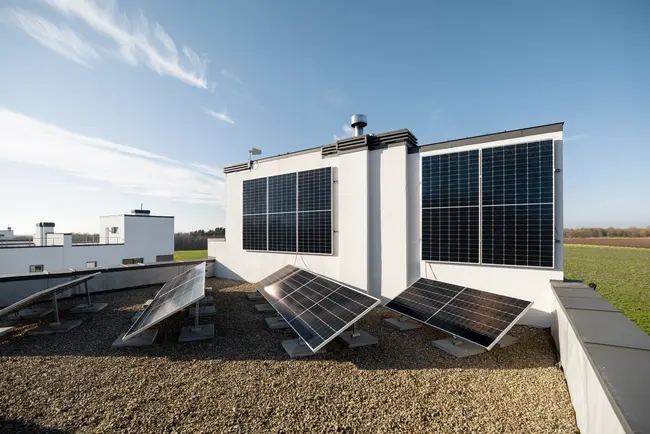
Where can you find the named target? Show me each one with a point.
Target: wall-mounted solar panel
(316, 308)
(315, 211)
(517, 205)
(450, 207)
(289, 213)
(477, 316)
(180, 292)
(282, 218)
(254, 223)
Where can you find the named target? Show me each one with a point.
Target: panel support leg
(357, 338)
(89, 307)
(298, 348)
(402, 323)
(57, 326)
(277, 323)
(458, 347)
(197, 332)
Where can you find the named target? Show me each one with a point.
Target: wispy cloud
(576, 137)
(61, 39)
(230, 76)
(137, 41)
(210, 170)
(348, 131)
(223, 116)
(334, 97)
(112, 166)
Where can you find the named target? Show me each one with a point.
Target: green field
(186, 255)
(621, 273)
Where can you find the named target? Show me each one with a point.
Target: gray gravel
(242, 381)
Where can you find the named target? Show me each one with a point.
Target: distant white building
(125, 239)
(379, 211)
(6, 234)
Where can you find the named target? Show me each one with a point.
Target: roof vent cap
(358, 122)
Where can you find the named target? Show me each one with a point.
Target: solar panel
(317, 309)
(517, 205)
(450, 207)
(477, 316)
(183, 290)
(289, 213)
(315, 211)
(46, 292)
(254, 214)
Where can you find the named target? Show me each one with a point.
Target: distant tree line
(197, 240)
(610, 232)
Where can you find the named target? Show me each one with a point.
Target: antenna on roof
(251, 152)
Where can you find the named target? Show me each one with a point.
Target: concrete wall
(377, 228)
(15, 288)
(147, 237)
(606, 361)
(106, 223)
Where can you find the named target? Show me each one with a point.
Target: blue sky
(107, 105)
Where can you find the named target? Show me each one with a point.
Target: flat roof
(243, 381)
(413, 148)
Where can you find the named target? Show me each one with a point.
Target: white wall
(106, 223)
(377, 223)
(147, 237)
(142, 237)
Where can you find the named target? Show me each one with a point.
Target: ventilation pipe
(358, 122)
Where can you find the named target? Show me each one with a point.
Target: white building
(125, 239)
(6, 234)
(379, 236)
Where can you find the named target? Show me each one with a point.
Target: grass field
(621, 273)
(185, 255)
(643, 243)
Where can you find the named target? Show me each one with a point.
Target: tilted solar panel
(477, 316)
(183, 290)
(317, 309)
(42, 294)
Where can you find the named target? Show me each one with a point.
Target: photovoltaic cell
(477, 316)
(316, 308)
(315, 211)
(450, 207)
(183, 290)
(517, 205)
(46, 292)
(289, 213)
(254, 225)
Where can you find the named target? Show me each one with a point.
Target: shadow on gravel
(19, 426)
(242, 335)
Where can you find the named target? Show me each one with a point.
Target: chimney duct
(358, 122)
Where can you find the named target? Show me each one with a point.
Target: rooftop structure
(379, 211)
(137, 237)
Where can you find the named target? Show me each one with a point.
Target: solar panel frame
(512, 202)
(472, 336)
(300, 302)
(42, 294)
(194, 276)
(537, 246)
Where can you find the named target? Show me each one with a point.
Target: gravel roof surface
(242, 381)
